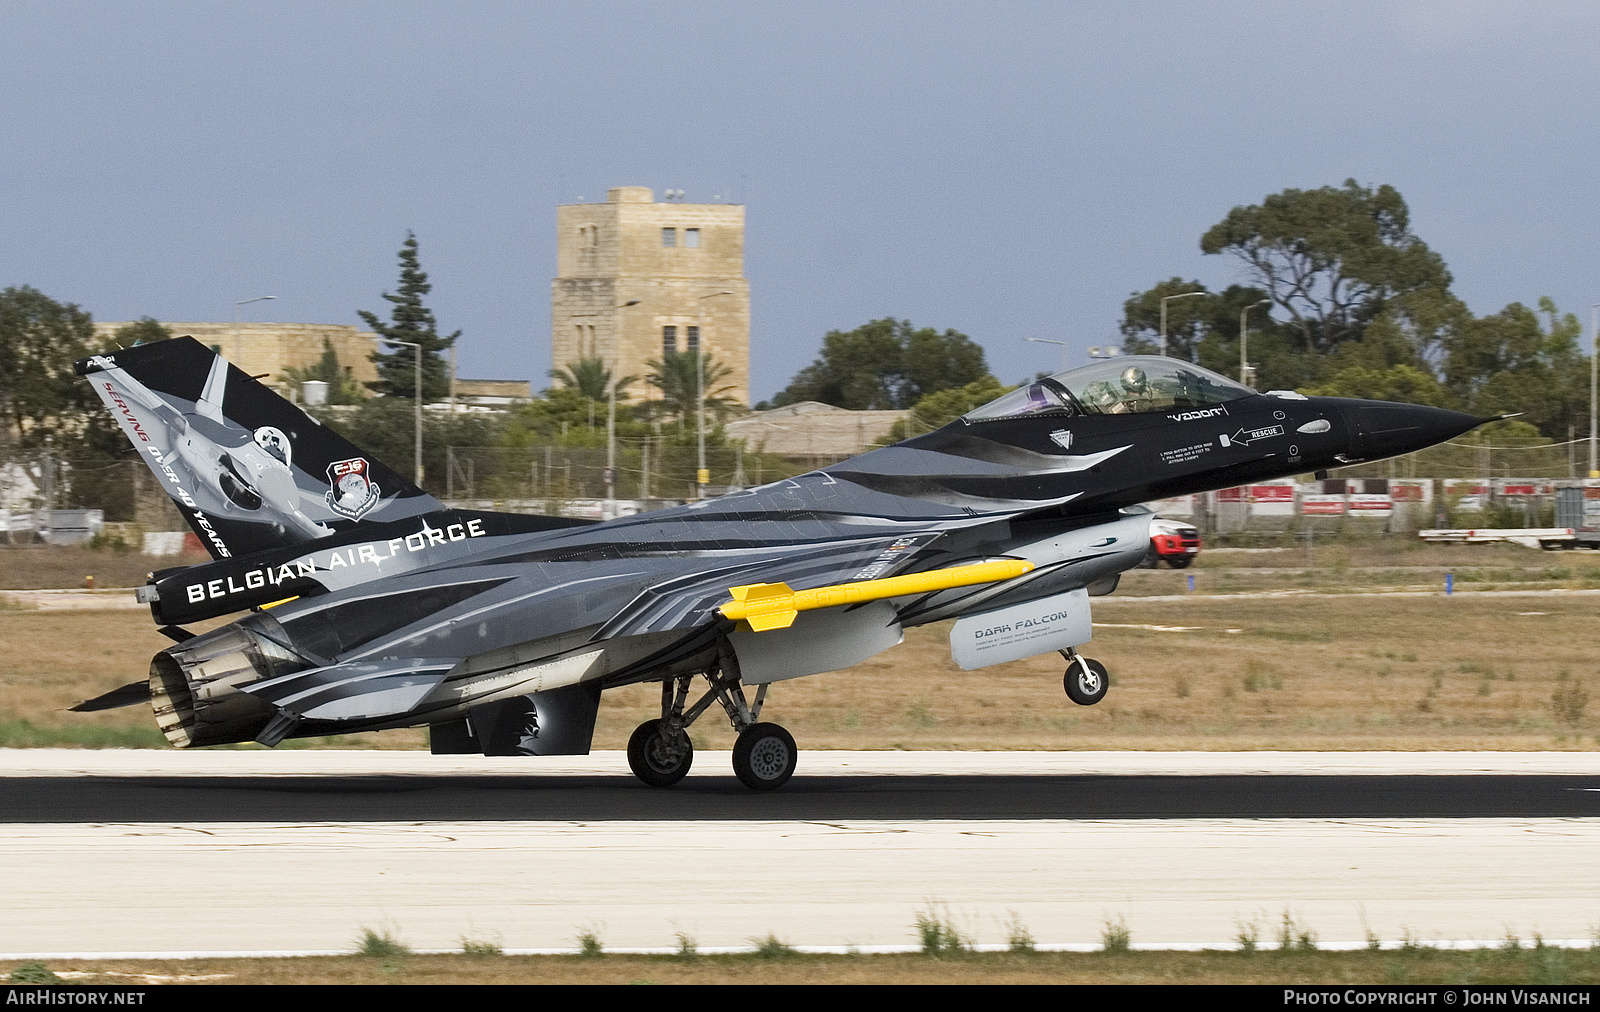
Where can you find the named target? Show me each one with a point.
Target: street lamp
(246, 302)
(1109, 351)
(702, 477)
(418, 420)
(1244, 341)
(1594, 364)
(611, 420)
(1045, 340)
(1164, 300)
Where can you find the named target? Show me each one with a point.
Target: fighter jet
(367, 604)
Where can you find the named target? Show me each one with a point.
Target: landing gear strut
(764, 755)
(1086, 681)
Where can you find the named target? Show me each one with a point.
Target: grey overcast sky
(1007, 169)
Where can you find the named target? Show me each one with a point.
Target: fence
(643, 470)
(1459, 483)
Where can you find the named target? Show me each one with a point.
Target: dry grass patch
(1348, 672)
(1418, 965)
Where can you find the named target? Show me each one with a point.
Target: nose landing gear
(1086, 680)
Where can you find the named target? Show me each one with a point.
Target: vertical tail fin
(248, 470)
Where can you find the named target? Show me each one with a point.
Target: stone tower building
(684, 263)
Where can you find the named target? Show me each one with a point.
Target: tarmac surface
(168, 853)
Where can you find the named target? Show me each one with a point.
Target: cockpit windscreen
(1135, 384)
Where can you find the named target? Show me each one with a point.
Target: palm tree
(674, 376)
(590, 378)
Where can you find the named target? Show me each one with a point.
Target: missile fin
(773, 620)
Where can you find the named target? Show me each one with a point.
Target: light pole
(418, 394)
(702, 477)
(611, 420)
(1594, 365)
(1244, 341)
(1064, 346)
(246, 302)
(1164, 300)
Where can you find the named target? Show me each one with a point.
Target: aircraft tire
(1086, 687)
(764, 757)
(648, 763)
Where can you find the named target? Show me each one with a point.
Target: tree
(1186, 319)
(40, 339)
(942, 407)
(145, 330)
(885, 364)
(1510, 362)
(1205, 330)
(383, 428)
(1332, 258)
(590, 378)
(674, 376)
(341, 388)
(413, 322)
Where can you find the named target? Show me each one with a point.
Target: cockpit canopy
(1130, 385)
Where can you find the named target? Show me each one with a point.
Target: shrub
(1114, 935)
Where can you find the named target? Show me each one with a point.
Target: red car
(1173, 542)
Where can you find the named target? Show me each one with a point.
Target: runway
(174, 853)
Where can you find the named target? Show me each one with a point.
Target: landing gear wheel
(651, 758)
(764, 757)
(1086, 681)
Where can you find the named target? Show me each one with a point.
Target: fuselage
(452, 609)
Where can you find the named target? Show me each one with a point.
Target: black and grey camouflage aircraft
(368, 604)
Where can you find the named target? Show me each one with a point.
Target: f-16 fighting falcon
(368, 604)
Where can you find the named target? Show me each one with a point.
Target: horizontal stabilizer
(131, 694)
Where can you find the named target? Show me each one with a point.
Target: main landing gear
(1086, 681)
(660, 753)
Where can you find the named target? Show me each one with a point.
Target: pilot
(1136, 392)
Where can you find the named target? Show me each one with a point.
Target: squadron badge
(352, 494)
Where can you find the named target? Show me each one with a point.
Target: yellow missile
(774, 606)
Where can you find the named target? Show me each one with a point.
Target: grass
(773, 947)
(1338, 673)
(33, 973)
(939, 936)
(1018, 937)
(1114, 935)
(381, 943)
(589, 946)
(37, 567)
(1417, 964)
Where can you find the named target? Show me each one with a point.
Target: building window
(669, 237)
(693, 335)
(691, 238)
(669, 340)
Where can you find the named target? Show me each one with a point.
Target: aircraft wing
(692, 599)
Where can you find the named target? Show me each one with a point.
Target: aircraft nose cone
(1385, 429)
